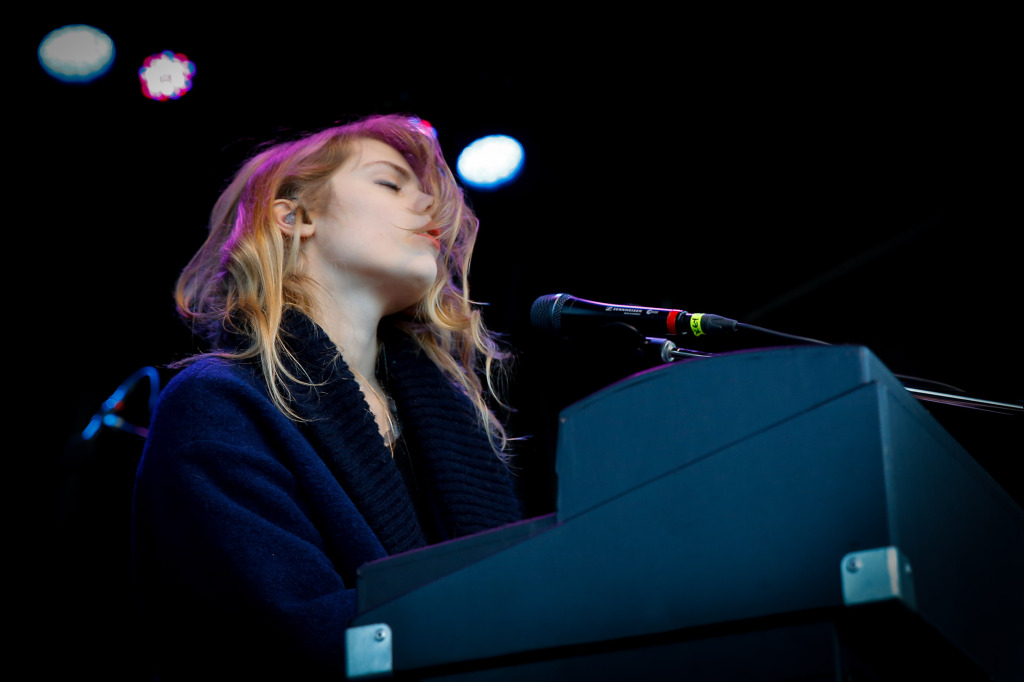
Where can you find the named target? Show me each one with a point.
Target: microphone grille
(546, 311)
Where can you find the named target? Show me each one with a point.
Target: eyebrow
(403, 174)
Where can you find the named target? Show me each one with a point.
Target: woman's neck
(352, 326)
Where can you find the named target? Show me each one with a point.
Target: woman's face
(376, 235)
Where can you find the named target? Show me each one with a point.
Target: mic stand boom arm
(967, 401)
(670, 352)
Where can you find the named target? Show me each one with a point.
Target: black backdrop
(846, 179)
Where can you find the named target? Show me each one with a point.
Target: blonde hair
(247, 274)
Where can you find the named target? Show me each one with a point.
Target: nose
(423, 202)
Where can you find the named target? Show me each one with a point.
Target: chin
(410, 296)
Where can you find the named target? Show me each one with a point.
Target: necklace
(386, 408)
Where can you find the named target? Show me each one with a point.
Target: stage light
(76, 53)
(166, 76)
(423, 126)
(490, 162)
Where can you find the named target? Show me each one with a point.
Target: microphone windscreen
(546, 312)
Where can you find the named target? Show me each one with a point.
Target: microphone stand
(670, 352)
(966, 401)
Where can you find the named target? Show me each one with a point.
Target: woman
(341, 415)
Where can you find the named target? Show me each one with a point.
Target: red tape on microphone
(671, 322)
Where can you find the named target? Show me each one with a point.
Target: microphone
(565, 314)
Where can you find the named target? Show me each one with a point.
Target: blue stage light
(490, 162)
(76, 53)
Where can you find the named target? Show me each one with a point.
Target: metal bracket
(368, 651)
(877, 575)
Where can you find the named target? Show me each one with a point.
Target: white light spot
(76, 53)
(490, 161)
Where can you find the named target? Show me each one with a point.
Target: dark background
(846, 179)
(850, 178)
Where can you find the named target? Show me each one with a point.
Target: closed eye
(388, 183)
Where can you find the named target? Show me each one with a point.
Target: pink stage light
(166, 76)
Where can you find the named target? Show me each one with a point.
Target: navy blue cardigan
(249, 528)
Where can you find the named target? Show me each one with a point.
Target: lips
(433, 235)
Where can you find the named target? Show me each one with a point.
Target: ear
(288, 219)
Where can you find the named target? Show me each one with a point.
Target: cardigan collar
(467, 487)
(342, 429)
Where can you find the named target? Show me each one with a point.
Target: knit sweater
(249, 528)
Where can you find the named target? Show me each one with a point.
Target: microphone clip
(668, 351)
